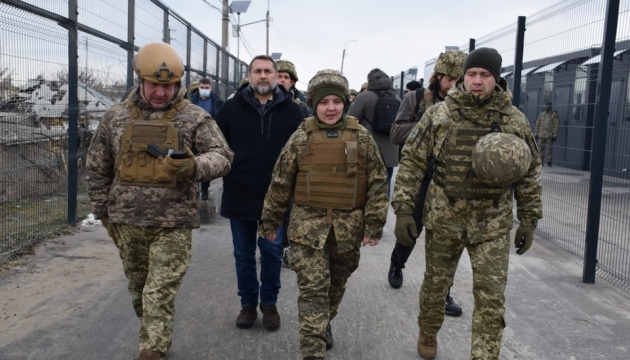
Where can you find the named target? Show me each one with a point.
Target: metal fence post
(518, 61)
(73, 109)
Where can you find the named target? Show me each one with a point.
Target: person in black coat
(256, 122)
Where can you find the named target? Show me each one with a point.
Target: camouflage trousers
(155, 261)
(545, 147)
(489, 261)
(321, 276)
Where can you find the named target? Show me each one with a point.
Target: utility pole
(267, 18)
(225, 73)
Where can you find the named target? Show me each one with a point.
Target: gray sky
(392, 35)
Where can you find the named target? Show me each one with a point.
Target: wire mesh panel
(35, 109)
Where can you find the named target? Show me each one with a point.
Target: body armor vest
(453, 171)
(332, 172)
(135, 166)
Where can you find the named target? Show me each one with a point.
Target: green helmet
(450, 63)
(287, 66)
(500, 159)
(331, 80)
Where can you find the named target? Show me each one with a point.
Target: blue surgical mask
(204, 92)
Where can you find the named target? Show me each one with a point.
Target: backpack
(384, 113)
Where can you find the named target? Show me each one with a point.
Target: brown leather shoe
(246, 318)
(427, 346)
(149, 355)
(271, 318)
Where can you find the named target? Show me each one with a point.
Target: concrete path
(70, 301)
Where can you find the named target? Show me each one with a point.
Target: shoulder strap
(419, 96)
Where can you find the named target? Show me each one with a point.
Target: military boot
(149, 355)
(427, 346)
(395, 276)
(451, 308)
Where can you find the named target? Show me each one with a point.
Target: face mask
(204, 92)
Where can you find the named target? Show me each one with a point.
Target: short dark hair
(264, 57)
(205, 81)
(548, 103)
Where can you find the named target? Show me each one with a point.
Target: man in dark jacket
(203, 96)
(256, 123)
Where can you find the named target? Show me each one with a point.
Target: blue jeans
(245, 238)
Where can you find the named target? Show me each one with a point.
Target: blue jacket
(215, 100)
(256, 134)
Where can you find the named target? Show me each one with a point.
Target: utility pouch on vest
(136, 166)
(352, 154)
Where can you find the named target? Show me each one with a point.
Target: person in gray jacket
(379, 84)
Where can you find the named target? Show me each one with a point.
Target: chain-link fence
(576, 55)
(62, 65)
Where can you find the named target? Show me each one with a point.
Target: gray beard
(263, 90)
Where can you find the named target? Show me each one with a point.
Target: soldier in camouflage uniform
(287, 77)
(148, 203)
(463, 212)
(448, 68)
(334, 168)
(547, 132)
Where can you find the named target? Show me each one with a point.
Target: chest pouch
(135, 165)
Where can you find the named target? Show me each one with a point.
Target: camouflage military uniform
(324, 254)
(154, 224)
(547, 132)
(481, 226)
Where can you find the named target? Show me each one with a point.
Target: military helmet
(500, 159)
(158, 62)
(450, 63)
(331, 79)
(287, 66)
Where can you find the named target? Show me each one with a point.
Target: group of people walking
(311, 174)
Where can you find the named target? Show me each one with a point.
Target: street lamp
(343, 56)
(239, 7)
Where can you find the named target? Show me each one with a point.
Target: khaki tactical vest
(135, 166)
(453, 171)
(332, 172)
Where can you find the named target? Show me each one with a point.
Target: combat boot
(149, 355)
(450, 308)
(427, 346)
(395, 276)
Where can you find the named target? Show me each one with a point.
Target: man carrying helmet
(448, 69)
(469, 200)
(143, 165)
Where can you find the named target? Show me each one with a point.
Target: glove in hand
(406, 230)
(181, 167)
(524, 238)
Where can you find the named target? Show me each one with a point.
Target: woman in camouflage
(335, 171)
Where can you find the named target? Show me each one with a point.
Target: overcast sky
(393, 35)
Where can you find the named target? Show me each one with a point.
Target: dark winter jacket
(256, 135)
(214, 99)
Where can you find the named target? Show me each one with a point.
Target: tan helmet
(450, 63)
(287, 66)
(193, 86)
(500, 159)
(158, 62)
(332, 81)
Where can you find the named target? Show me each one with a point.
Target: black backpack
(384, 113)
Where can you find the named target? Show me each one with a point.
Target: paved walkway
(69, 301)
